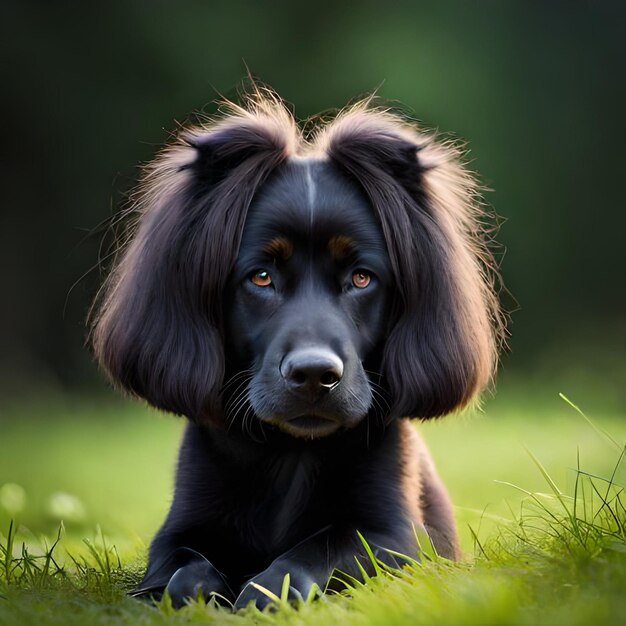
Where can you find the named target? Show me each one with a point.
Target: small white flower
(12, 498)
(66, 507)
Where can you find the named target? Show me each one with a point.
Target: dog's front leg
(183, 573)
(198, 577)
(312, 562)
(308, 564)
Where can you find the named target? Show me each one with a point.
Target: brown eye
(361, 280)
(261, 279)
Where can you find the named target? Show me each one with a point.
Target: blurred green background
(537, 89)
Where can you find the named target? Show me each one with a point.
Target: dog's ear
(156, 328)
(442, 349)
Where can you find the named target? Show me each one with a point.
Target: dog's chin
(307, 426)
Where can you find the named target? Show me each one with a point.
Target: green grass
(537, 490)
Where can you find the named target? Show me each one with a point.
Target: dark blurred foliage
(537, 89)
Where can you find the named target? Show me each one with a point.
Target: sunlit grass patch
(97, 567)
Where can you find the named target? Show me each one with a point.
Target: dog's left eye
(261, 278)
(361, 280)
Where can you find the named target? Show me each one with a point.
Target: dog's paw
(263, 589)
(194, 579)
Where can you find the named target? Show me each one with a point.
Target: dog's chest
(287, 497)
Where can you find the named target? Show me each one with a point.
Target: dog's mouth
(309, 426)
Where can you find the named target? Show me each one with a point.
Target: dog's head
(307, 301)
(302, 283)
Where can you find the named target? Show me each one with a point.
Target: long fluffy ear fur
(443, 347)
(156, 325)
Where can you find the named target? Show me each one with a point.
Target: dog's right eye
(361, 279)
(261, 278)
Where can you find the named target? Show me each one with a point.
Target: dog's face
(308, 301)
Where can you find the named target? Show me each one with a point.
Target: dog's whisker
(372, 373)
(234, 387)
(234, 403)
(374, 384)
(243, 422)
(379, 411)
(381, 398)
(241, 401)
(248, 423)
(236, 392)
(236, 377)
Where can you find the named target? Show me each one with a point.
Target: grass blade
(589, 421)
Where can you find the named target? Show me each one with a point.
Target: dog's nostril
(298, 377)
(329, 378)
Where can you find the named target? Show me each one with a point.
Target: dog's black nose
(311, 371)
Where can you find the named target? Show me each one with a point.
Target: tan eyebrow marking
(341, 246)
(279, 247)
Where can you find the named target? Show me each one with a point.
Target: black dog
(296, 299)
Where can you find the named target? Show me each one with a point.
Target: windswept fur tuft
(157, 325)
